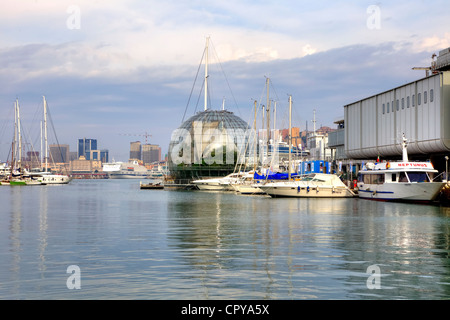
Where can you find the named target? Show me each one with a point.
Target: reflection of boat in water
(314, 185)
(399, 181)
(126, 170)
(151, 185)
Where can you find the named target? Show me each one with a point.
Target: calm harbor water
(159, 244)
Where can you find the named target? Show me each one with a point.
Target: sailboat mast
(14, 149)
(41, 154)
(206, 73)
(255, 162)
(19, 161)
(45, 134)
(290, 135)
(268, 115)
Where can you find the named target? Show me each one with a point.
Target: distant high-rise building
(85, 146)
(151, 153)
(59, 153)
(104, 155)
(94, 155)
(73, 155)
(135, 150)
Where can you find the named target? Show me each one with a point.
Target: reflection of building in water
(229, 239)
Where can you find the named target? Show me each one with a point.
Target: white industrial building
(420, 109)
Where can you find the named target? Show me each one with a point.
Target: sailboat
(46, 176)
(316, 185)
(17, 174)
(249, 184)
(245, 185)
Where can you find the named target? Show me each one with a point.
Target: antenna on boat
(404, 148)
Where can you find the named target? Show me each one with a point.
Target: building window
(398, 105)
(425, 94)
(388, 106)
(413, 100)
(431, 95)
(392, 106)
(407, 101)
(419, 98)
(403, 103)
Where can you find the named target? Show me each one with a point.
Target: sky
(122, 71)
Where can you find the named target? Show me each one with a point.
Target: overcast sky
(115, 70)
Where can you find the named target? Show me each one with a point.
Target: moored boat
(126, 170)
(151, 185)
(219, 184)
(314, 185)
(399, 181)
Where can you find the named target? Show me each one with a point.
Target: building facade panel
(420, 110)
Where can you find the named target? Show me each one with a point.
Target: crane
(428, 69)
(146, 135)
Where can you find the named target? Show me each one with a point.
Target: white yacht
(49, 178)
(246, 184)
(219, 184)
(399, 181)
(314, 185)
(126, 170)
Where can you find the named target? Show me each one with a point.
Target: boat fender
(332, 189)
(307, 189)
(298, 189)
(317, 189)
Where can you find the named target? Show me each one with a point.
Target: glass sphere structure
(209, 144)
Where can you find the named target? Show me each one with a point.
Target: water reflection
(200, 245)
(303, 248)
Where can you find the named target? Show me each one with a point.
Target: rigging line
(226, 79)
(199, 96)
(193, 85)
(6, 123)
(56, 138)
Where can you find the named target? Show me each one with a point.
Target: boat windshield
(418, 177)
(312, 177)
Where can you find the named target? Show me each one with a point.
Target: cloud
(130, 65)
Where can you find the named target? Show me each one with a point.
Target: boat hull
(248, 189)
(55, 179)
(211, 186)
(410, 192)
(308, 192)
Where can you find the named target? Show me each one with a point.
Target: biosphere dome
(209, 144)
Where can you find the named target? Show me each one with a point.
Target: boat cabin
(409, 172)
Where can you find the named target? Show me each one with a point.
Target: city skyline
(129, 67)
